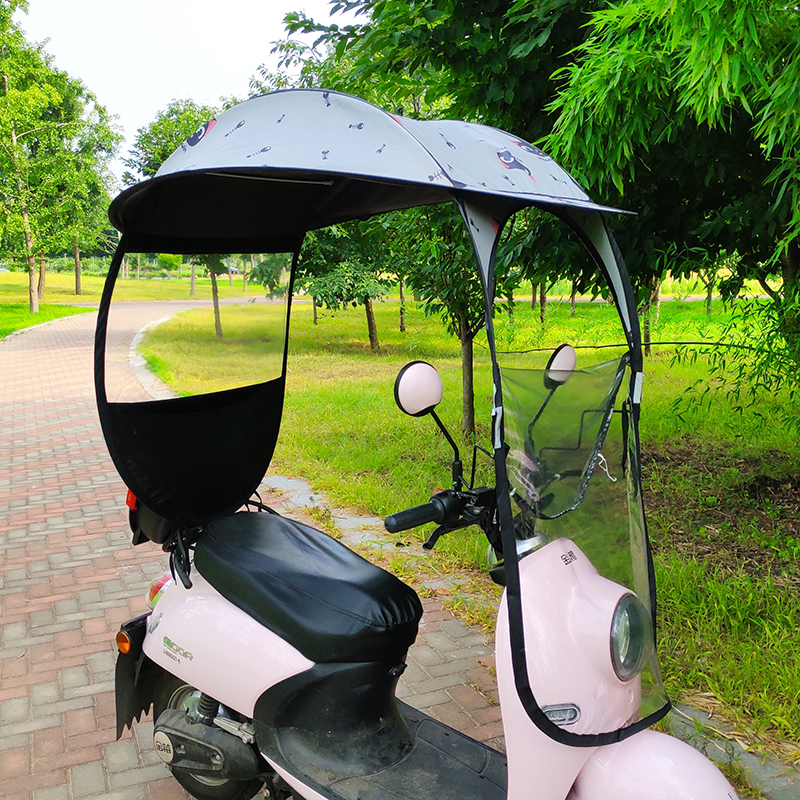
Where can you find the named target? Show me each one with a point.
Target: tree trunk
(646, 330)
(252, 270)
(139, 267)
(534, 292)
(215, 299)
(42, 276)
(467, 386)
(572, 299)
(33, 294)
(373, 329)
(510, 304)
(314, 309)
(543, 302)
(193, 283)
(402, 308)
(655, 299)
(76, 255)
(709, 296)
(230, 277)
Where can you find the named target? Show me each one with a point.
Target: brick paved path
(69, 577)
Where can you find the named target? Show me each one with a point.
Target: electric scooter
(271, 652)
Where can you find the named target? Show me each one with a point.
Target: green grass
(60, 288)
(728, 595)
(15, 316)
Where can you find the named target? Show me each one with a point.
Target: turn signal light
(123, 642)
(131, 501)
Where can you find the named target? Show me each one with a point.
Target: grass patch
(720, 488)
(16, 316)
(60, 288)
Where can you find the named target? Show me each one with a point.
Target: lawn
(721, 488)
(60, 288)
(60, 293)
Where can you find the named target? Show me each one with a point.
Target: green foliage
(16, 316)
(56, 142)
(170, 262)
(270, 273)
(347, 283)
(155, 142)
(673, 109)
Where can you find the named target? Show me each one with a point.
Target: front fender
(650, 766)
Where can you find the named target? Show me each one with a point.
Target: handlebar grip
(414, 516)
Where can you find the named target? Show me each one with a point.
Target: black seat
(324, 599)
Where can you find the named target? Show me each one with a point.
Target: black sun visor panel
(193, 459)
(191, 404)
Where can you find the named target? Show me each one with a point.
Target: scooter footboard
(650, 766)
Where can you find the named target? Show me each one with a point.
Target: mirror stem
(458, 470)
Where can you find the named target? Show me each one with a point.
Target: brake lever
(437, 534)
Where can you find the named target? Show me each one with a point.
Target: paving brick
(45, 694)
(17, 710)
(119, 780)
(80, 721)
(47, 742)
(87, 780)
(426, 655)
(53, 793)
(168, 789)
(467, 697)
(121, 756)
(432, 684)
(14, 763)
(74, 676)
(425, 701)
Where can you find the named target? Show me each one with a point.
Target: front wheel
(171, 693)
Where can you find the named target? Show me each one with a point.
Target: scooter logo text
(172, 650)
(568, 557)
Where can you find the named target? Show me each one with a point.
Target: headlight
(630, 637)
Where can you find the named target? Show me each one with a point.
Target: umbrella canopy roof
(292, 161)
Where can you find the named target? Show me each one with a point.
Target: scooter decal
(508, 160)
(529, 148)
(235, 128)
(200, 133)
(568, 557)
(175, 651)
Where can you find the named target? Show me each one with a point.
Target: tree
(215, 264)
(350, 283)
(688, 112)
(342, 265)
(156, 141)
(53, 133)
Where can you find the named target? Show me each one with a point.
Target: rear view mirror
(560, 367)
(418, 388)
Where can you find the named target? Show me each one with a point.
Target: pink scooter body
(202, 638)
(567, 610)
(216, 647)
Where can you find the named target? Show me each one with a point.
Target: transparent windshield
(215, 322)
(573, 474)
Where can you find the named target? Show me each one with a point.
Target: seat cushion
(320, 596)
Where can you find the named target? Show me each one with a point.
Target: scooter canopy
(259, 177)
(270, 169)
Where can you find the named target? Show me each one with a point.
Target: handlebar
(444, 507)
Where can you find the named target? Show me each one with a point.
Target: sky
(138, 55)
